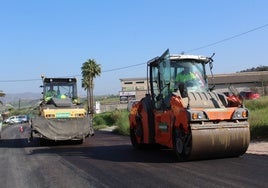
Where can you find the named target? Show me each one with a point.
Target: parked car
(12, 120)
(23, 118)
(249, 95)
(17, 119)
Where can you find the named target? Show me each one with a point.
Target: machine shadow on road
(113, 153)
(124, 153)
(36, 142)
(14, 143)
(104, 146)
(116, 153)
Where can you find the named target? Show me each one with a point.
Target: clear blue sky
(55, 37)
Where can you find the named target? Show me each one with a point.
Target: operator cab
(59, 88)
(176, 73)
(188, 72)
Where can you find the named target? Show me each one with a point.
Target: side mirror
(210, 65)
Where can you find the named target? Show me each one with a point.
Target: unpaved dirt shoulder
(258, 147)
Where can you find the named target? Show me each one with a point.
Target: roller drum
(227, 139)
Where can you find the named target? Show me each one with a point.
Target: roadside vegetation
(117, 118)
(258, 110)
(258, 119)
(107, 99)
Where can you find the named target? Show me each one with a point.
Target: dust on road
(258, 147)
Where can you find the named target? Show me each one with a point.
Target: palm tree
(2, 94)
(90, 69)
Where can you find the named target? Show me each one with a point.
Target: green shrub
(122, 123)
(115, 116)
(258, 118)
(108, 118)
(103, 118)
(98, 120)
(259, 132)
(257, 104)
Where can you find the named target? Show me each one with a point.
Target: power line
(27, 80)
(228, 38)
(195, 49)
(116, 69)
(205, 46)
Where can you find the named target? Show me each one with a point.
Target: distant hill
(254, 69)
(23, 100)
(20, 97)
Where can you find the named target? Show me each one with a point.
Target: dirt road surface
(258, 147)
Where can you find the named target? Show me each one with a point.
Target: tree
(2, 94)
(254, 69)
(90, 70)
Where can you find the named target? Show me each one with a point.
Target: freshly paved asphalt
(108, 160)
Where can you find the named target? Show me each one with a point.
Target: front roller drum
(222, 140)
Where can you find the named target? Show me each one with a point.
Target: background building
(242, 81)
(132, 89)
(136, 88)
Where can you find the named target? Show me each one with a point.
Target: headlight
(197, 116)
(240, 113)
(50, 115)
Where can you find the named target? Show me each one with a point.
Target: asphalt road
(108, 160)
